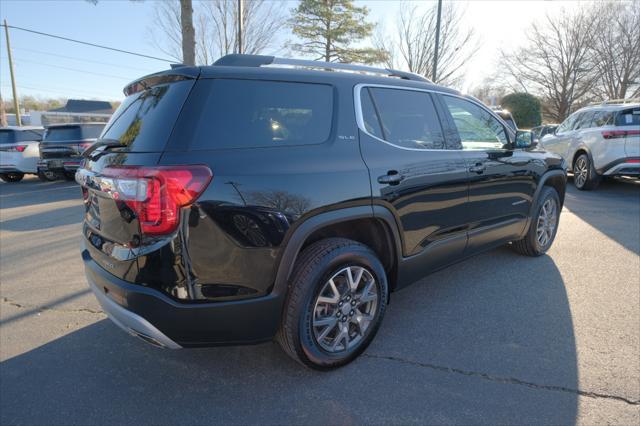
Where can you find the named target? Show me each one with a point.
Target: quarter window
(405, 118)
(257, 113)
(477, 127)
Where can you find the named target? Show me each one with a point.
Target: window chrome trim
(357, 102)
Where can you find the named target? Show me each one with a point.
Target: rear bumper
(623, 166)
(160, 320)
(59, 164)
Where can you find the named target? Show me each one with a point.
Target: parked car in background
(19, 153)
(541, 131)
(62, 147)
(261, 201)
(599, 140)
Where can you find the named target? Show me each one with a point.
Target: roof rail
(617, 102)
(236, 60)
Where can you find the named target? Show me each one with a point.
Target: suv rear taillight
(156, 194)
(614, 134)
(14, 148)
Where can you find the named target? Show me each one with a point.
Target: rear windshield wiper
(107, 143)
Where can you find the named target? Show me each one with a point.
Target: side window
(602, 118)
(369, 115)
(261, 113)
(567, 124)
(584, 120)
(406, 118)
(477, 127)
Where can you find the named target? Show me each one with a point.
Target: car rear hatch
(66, 142)
(127, 207)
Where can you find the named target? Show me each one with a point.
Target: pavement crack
(504, 380)
(44, 308)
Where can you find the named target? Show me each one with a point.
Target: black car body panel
(220, 277)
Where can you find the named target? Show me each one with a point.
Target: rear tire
(335, 304)
(585, 176)
(48, 176)
(11, 177)
(543, 227)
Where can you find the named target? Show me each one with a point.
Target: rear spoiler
(168, 76)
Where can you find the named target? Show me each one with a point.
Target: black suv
(235, 203)
(62, 146)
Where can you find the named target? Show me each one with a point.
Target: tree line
(567, 60)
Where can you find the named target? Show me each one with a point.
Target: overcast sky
(54, 68)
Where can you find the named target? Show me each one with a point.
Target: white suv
(599, 140)
(19, 152)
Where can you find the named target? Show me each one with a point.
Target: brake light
(21, 148)
(614, 134)
(633, 160)
(14, 148)
(156, 194)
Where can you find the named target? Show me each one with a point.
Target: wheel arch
(556, 179)
(582, 149)
(364, 224)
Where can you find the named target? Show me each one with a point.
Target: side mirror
(525, 139)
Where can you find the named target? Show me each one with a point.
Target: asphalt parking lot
(497, 339)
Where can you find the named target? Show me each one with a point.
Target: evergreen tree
(329, 29)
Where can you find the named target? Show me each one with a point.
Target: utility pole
(16, 104)
(240, 29)
(434, 77)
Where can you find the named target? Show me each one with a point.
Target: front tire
(585, 176)
(543, 227)
(11, 177)
(335, 304)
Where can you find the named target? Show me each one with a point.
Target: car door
(501, 179)
(414, 175)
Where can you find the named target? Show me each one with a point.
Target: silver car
(599, 140)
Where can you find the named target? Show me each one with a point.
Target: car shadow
(489, 340)
(43, 220)
(613, 208)
(32, 191)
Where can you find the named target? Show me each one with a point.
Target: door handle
(391, 178)
(478, 168)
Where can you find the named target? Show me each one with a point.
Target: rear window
(144, 121)
(628, 117)
(252, 114)
(73, 133)
(7, 136)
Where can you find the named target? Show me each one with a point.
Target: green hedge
(525, 108)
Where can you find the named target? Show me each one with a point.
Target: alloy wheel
(345, 309)
(580, 172)
(547, 221)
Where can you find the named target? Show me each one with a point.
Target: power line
(74, 58)
(62, 90)
(19, 60)
(65, 93)
(88, 44)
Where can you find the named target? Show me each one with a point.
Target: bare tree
(413, 45)
(616, 49)
(490, 91)
(215, 23)
(556, 62)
